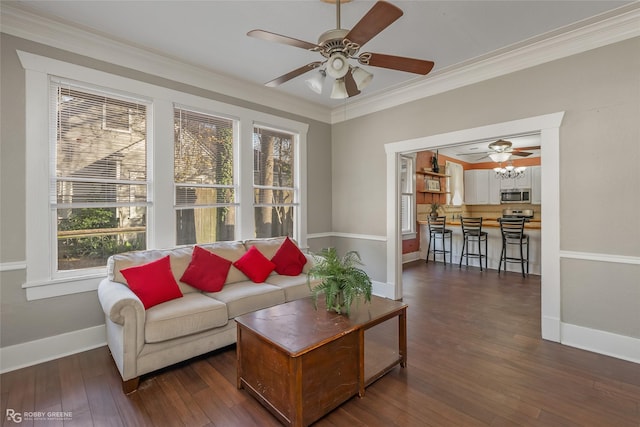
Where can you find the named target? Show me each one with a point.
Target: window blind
(100, 148)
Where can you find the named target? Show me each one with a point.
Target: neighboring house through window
(100, 197)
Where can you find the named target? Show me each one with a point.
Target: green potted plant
(341, 280)
(434, 209)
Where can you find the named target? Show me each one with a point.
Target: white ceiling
(212, 34)
(477, 151)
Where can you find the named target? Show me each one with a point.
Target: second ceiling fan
(339, 45)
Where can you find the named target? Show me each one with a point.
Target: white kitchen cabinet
(536, 185)
(494, 188)
(476, 187)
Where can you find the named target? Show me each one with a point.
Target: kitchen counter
(533, 224)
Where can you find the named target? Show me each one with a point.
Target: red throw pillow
(289, 260)
(153, 283)
(255, 265)
(206, 271)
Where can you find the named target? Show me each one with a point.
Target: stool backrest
(471, 225)
(436, 224)
(512, 228)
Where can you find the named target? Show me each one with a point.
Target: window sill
(409, 236)
(60, 287)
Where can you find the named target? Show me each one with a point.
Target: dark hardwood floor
(475, 358)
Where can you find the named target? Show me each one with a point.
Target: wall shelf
(440, 175)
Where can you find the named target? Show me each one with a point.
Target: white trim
(13, 265)
(411, 256)
(615, 26)
(63, 286)
(589, 256)
(30, 26)
(602, 342)
(385, 290)
(33, 352)
(548, 125)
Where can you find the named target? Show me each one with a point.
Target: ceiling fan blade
(400, 63)
(292, 74)
(533, 147)
(379, 17)
(350, 84)
(520, 153)
(278, 38)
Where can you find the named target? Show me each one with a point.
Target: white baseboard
(602, 342)
(551, 328)
(33, 352)
(411, 256)
(385, 290)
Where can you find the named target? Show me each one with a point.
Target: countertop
(533, 224)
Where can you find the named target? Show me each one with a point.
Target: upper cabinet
(536, 185)
(476, 187)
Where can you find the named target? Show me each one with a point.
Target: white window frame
(296, 174)
(40, 279)
(410, 160)
(51, 152)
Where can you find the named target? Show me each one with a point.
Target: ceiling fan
(339, 45)
(501, 150)
(502, 146)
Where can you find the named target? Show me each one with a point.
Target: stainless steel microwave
(515, 195)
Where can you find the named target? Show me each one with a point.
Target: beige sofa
(142, 341)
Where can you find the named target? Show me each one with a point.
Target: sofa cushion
(180, 259)
(245, 297)
(206, 271)
(153, 282)
(232, 251)
(255, 265)
(294, 287)
(267, 246)
(289, 260)
(190, 314)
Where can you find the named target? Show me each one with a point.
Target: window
(407, 195)
(131, 165)
(273, 182)
(203, 176)
(100, 194)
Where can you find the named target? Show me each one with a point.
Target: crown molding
(612, 27)
(30, 26)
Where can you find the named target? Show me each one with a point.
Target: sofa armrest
(115, 297)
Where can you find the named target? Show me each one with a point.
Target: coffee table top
(297, 327)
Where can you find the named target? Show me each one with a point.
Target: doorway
(549, 128)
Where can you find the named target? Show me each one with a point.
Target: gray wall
(21, 320)
(599, 178)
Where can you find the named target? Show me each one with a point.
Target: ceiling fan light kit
(339, 45)
(362, 77)
(316, 82)
(500, 157)
(339, 90)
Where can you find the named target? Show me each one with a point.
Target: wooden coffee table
(301, 363)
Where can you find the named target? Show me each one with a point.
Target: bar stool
(472, 233)
(512, 230)
(438, 230)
